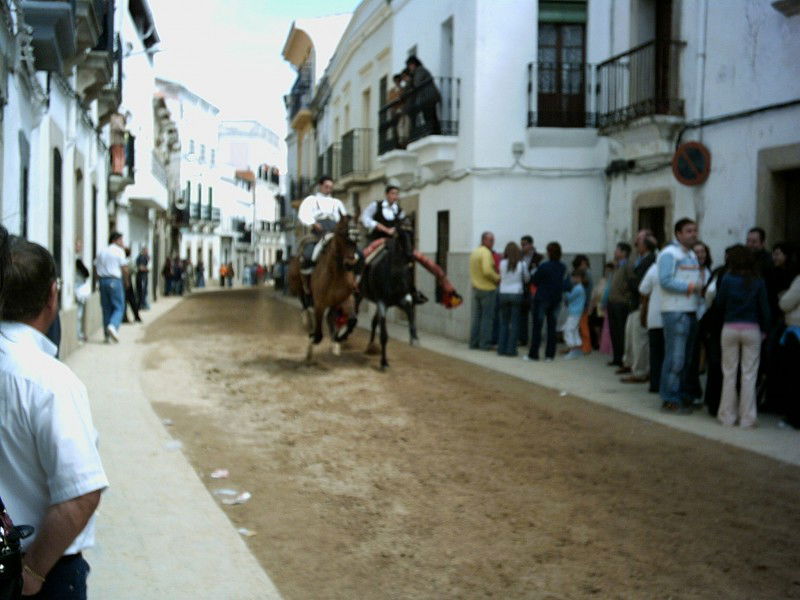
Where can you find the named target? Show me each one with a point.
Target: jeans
(544, 309)
(112, 301)
(680, 331)
(483, 303)
(510, 312)
(65, 581)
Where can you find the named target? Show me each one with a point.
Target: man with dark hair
(637, 355)
(619, 304)
(381, 219)
(52, 476)
(681, 285)
(425, 96)
(112, 265)
(531, 258)
(756, 242)
(320, 212)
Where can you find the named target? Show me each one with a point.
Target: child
(576, 302)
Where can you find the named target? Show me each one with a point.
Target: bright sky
(229, 51)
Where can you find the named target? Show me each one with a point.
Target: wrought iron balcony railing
(559, 95)
(300, 187)
(641, 82)
(356, 152)
(431, 109)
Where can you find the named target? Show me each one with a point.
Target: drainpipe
(700, 86)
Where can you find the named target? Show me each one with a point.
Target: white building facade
(61, 80)
(560, 119)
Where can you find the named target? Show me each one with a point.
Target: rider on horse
(320, 212)
(381, 219)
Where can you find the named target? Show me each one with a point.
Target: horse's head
(345, 239)
(405, 238)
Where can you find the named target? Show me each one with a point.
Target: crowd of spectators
(665, 316)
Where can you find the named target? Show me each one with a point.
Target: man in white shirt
(381, 219)
(681, 285)
(320, 212)
(52, 476)
(112, 265)
(650, 318)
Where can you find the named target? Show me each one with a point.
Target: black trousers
(130, 297)
(655, 338)
(713, 368)
(618, 314)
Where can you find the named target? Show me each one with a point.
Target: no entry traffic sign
(691, 163)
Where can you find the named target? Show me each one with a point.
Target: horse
(332, 284)
(387, 281)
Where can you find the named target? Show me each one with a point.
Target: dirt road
(439, 479)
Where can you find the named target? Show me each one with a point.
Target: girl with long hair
(513, 277)
(742, 301)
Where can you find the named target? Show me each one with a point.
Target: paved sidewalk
(589, 378)
(160, 534)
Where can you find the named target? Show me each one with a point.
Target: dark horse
(332, 284)
(387, 281)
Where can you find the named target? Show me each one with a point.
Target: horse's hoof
(414, 341)
(384, 366)
(336, 349)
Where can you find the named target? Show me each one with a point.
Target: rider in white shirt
(320, 212)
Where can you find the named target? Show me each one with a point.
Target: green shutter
(562, 11)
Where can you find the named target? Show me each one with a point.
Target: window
(191, 146)
(210, 196)
(561, 68)
(382, 91)
(199, 193)
(213, 157)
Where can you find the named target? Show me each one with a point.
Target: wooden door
(561, 75)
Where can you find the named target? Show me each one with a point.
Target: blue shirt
(549, 281)
(576, 300)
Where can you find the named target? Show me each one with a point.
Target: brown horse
(332, 284)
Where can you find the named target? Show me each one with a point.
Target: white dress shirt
(48, 444)
(650, 286)
(318, 208)
(391, 212)
(110, 260)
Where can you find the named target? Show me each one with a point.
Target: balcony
(123, 161)
(89, 21)
(558, 95)
(110, 96)
(403, 121)
(97, 68)
(642, 82)
(205, 212)
(54, 39)
(216, 216)
(194, 211)
(356, 157)
(299, 188)
(298, 101)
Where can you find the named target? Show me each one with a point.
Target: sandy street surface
(438, 479)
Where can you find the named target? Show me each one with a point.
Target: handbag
(11, 555)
